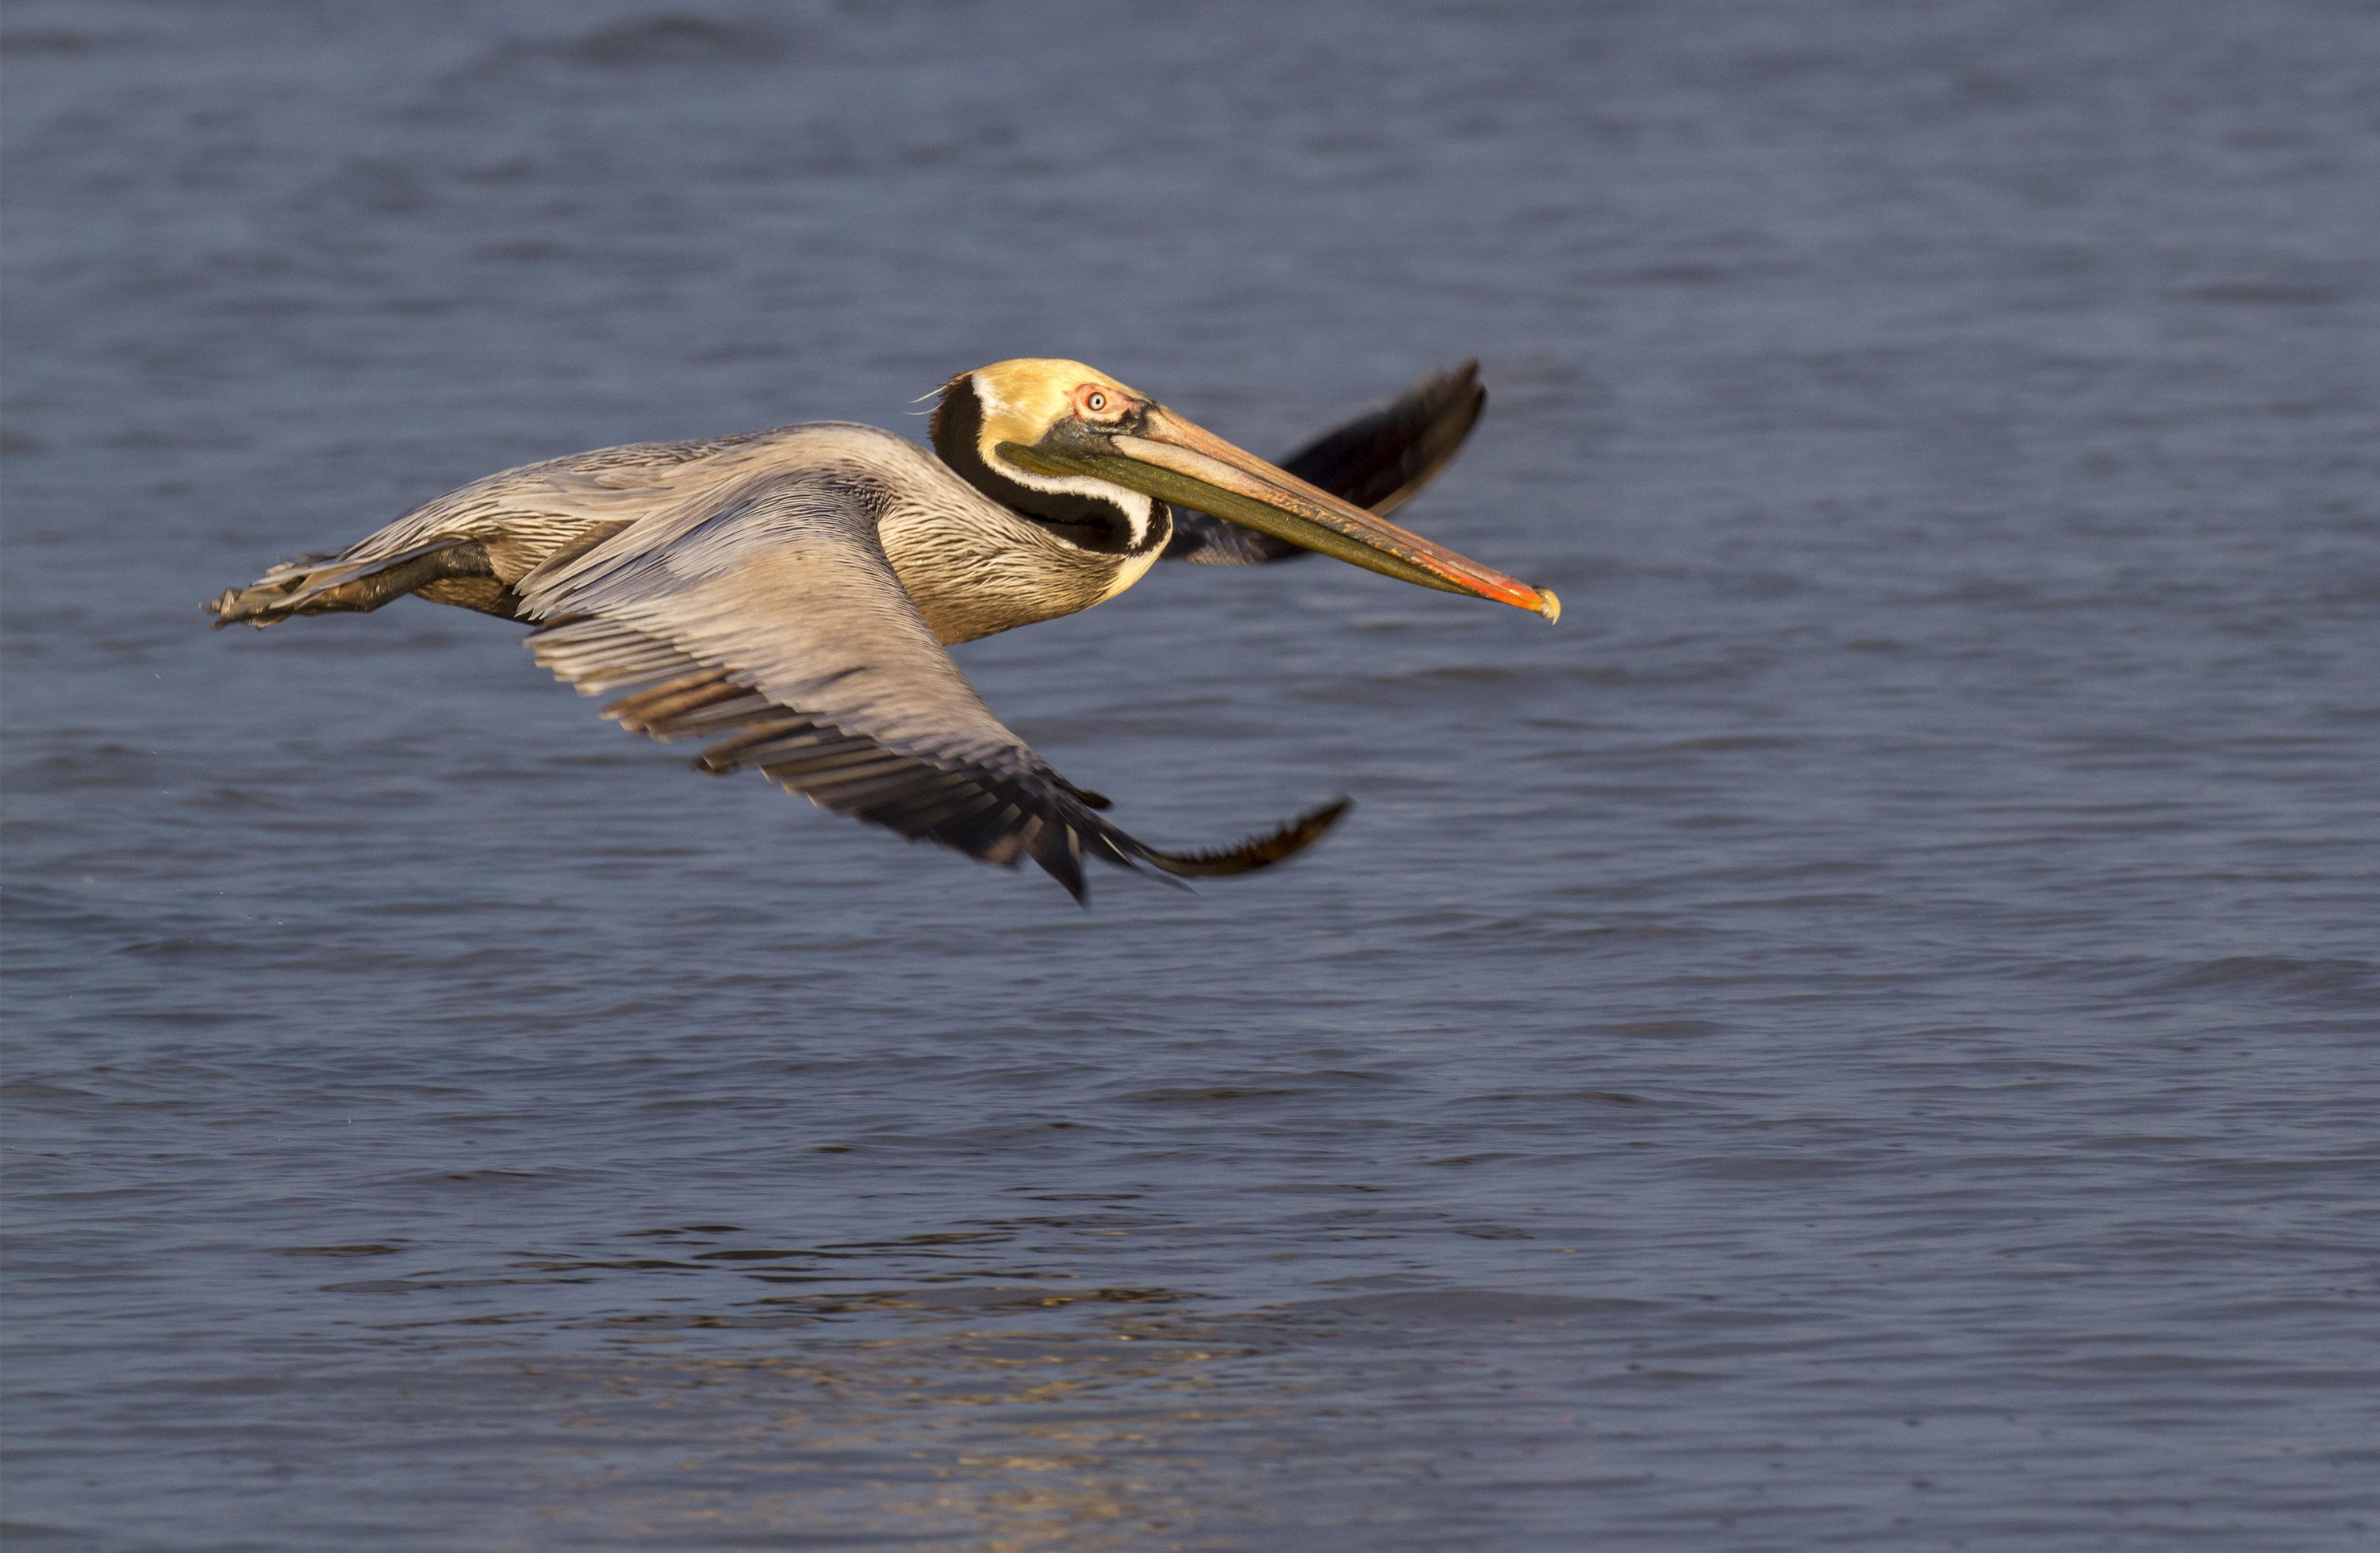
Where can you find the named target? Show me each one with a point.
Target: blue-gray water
(1863, 1037)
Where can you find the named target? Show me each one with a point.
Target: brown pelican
(789, 592)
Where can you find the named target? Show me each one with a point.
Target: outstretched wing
(1376, 461)
(768, 618)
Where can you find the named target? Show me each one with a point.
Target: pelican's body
(794, 587)
(973, 567)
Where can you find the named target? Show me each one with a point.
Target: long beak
(1173, 461)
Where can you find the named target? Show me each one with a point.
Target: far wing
(1377, 460)
(768, 618)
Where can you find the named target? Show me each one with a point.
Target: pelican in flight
(789, 593)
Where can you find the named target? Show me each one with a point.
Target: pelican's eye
(1095, 401)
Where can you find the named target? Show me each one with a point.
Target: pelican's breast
(980, 569)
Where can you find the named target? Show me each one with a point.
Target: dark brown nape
(935, 434)
(957, 433)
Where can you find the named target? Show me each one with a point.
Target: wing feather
(768, 618)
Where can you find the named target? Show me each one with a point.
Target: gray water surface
(1863, 1037)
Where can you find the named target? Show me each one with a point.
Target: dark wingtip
(1076, 884)
(1380, 459)
(1084, 796)
(1468, 374)
(1260, 852)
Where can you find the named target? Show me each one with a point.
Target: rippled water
(1862, 1036)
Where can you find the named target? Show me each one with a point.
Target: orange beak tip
(1548, 605)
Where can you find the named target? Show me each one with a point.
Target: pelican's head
(1071, 446)
(1024, 402)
